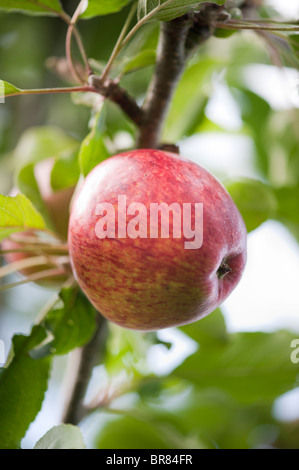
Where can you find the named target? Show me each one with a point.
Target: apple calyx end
(223, 270)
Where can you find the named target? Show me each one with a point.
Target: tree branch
(169, 67)
(89, 355)
(178, 40)
(111, 90)
(204, 25)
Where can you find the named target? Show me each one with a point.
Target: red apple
(141, 280)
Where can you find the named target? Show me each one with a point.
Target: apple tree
(80, 83)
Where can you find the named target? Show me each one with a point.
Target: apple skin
(154, 283)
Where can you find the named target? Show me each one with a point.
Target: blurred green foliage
(222, 394)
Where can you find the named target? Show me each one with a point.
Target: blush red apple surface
(153, 283)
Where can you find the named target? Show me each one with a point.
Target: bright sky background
(287, 8)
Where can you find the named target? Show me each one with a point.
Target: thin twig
(25, 263)
(239, 25)
(89, 355)
(110, 90)
(36, 91)
(82, 51)
(47, 274)
(264, 20)
(69, 58)
(68, 44)
(50, 249)
(68, 20)
(119, 44)
(123, 40)
(144, 20)
(26, 239)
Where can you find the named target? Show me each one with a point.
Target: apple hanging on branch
(155, 241)
(142, 281)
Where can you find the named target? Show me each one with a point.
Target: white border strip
(2, 92)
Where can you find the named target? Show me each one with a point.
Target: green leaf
(70, 323)
(7, 89)
(28, 186)
(201, 418)
(165, 10)
(224, 33)
(282, 139)
(18, 214)
(130, 433)
(139, 53)
(142, 59)
(45, 143)
(64, 436)
(93, 149)
(255, 115)
(255, 200)
(294, 42)
(65, 172)
(249, 367)
(42, 142)
(127, 350)
(287, 211)
(189, 101)
(255, 110)
(23, 383)
(104, 7)
(46, 159)
(31, 7)
(209, 330)
(117, 121)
